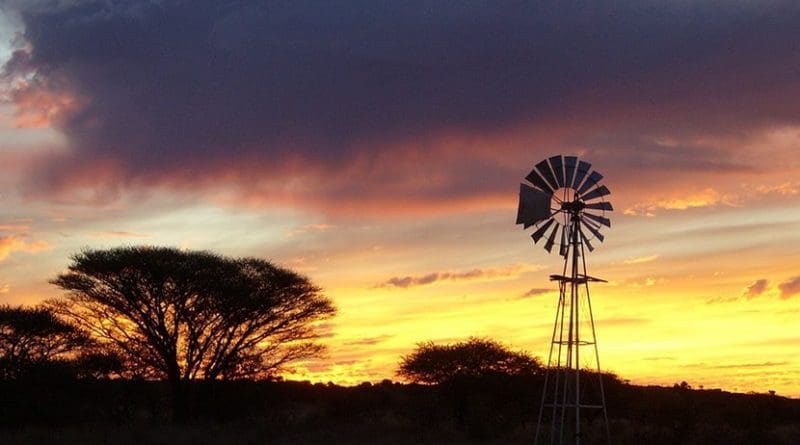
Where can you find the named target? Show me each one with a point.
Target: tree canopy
(475, 357)
(183, 315)
(34, 336)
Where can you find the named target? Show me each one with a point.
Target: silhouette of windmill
(566, 204)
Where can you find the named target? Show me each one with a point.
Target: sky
(377, 147)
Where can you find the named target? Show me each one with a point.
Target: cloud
(368, 341)
(703, 198)
(322, 227)
(641, 259)
(746, 365)
(14, 228)
(119, 234)
(790, 287)
(757, 288)
(11, 244)
(640, 281)
(509, 272)
(720, 300)
(782, 189)
(535, 292)
(426, 105)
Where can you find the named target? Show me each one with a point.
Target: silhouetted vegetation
(475, 357)
(150, 335)
(178, 316)
(498, 410)
(36, 343)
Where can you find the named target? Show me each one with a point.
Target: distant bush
(476, 357)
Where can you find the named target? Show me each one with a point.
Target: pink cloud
(790, 287)
(11, 244)
(757, 288)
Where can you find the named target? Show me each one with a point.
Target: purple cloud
(474, 274)
(347, 99)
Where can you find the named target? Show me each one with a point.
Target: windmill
(566, 204)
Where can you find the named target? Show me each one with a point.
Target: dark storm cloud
(185, 94)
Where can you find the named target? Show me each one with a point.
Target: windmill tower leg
(562, 394)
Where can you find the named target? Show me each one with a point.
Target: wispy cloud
(782, 189)
(719, 300)
(703, 198)
(745, 365)
(756, 289)
(309, 228)
(790, 288)
(535, 292)
(640, 281)
(509, 272)
(11, 244)
(14, 228)
(368, 341)
(640, 259)
(119, 234)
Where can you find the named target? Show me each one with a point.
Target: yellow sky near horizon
(675, 308)
(410, 228)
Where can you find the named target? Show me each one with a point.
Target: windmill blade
(596, 193)
(599, 206)
(593, 179)
(570, 162)
(583, 169)
(539, 233)
(537, 180)
(550, 241)
(558, 169)
(604, 221)
(534, 205)
(588, 222)
(544, 169)
(585, 240)
(563, 250)
(595, 231)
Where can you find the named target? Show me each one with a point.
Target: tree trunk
(181, 409)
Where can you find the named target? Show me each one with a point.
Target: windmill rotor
(564, 194)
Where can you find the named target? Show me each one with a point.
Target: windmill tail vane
(565, 203)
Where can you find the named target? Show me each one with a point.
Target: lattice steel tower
(566, 204)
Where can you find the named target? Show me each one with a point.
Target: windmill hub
(573, 207)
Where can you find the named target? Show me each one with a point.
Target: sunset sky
(378, 147)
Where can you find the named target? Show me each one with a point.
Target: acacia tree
(475, 357)
(183, 315)
(34, 336)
